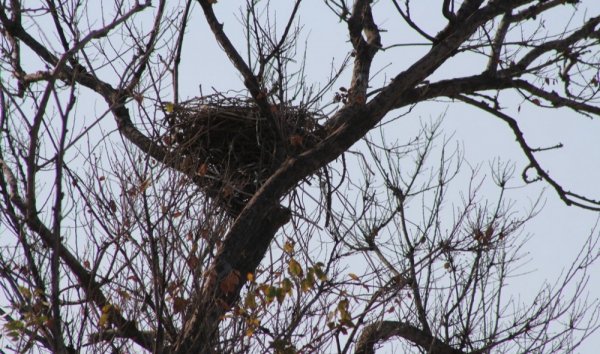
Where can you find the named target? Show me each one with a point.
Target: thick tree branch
(536, 9)
(421, 69)
(365, 49)
(448, 10)
(497, 43)
(555, 99)
(453, 87)
(381, 331)
(483, 82)
(470, 11)
(588, 30)
(239, 255)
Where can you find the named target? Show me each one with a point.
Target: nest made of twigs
(234, 146)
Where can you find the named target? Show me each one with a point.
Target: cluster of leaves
(260, 296)
(34, 313)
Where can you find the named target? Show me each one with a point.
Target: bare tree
(233, 221)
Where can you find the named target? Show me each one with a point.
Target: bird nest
(231, 147)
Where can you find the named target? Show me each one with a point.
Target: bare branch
(250, 80)
(568, 197)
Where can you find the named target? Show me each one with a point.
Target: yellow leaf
(264, 288)
(320, 273)
(139, 98)
(343, 305)
(253, 321)
(286, 286)
(25, 292)
(227, 191)
(250, 277)
(103, 322)
(353, 276)
(288, 247)
(169, 107)
(173, 286)
(124, 294)
(280, 295)
(306, 284)
(250, 300)
(295, 268)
